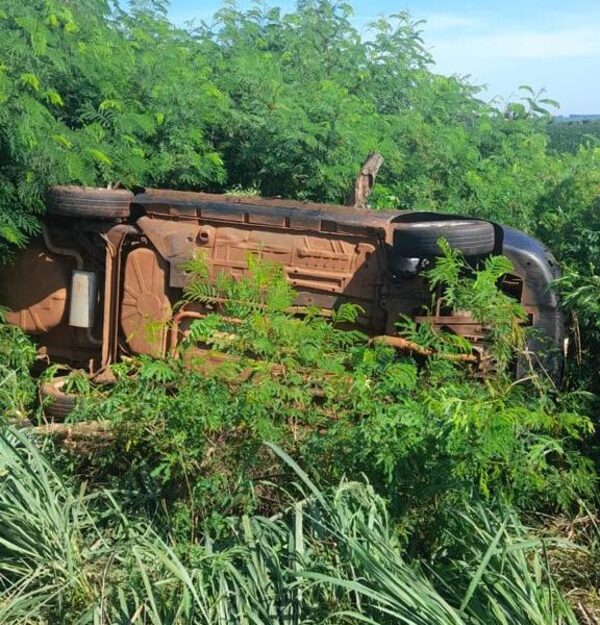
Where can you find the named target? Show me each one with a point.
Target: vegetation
(569, 136)
(421, 432)
(415, 474)
(17, 388)
(332, 556)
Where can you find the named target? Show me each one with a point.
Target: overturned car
(108, 262)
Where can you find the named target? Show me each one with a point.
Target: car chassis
(108, 263)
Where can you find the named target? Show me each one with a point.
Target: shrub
(73, 558)
(17, 388)
(424, 433)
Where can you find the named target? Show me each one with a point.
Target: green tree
(92, 95)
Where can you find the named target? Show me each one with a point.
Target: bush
(290, 105)
(70, 557)
(17, 388)
(424, 433)
(569, 136)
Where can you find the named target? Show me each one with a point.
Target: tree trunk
(365, 180)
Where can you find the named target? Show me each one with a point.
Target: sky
(546, 44)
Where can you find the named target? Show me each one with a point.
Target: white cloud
(528, 44)
(549, 49)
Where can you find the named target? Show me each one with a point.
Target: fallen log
(84, 431)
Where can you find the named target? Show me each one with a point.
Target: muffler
(84, 299)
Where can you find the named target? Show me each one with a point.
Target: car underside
(109, 264)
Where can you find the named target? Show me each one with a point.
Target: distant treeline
(567, 136)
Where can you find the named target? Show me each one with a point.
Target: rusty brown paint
(35, 289)
(330, 255)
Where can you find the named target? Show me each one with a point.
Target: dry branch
(365, 180)
(89, 430)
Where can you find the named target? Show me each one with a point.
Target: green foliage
(191, 428)
(582, 294)
(285, 104)
(264, 288)
(479, 294)
(568, 221)
(90, 94)
(50, 541)
(569, 136)
(290, 104)
(253, 318)
(17, 388)
(505, 577)
(75, 558)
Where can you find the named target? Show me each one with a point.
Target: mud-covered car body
(104, 278)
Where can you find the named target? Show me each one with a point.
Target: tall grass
(71, 557)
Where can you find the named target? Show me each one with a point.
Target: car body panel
(330, 255)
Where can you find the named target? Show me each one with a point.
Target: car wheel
(419, 239)
(89, 203)
(57, 404)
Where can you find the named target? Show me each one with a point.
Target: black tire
(89, 203)
(57, 404)
(419, 239)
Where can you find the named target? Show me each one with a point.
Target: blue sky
(547, 44)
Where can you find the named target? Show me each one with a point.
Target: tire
(57, 404)
(89, 203)
(420, 239)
